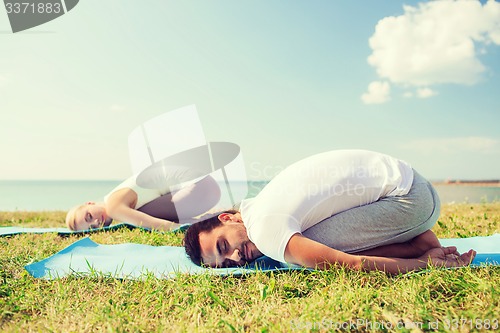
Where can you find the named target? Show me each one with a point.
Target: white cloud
(378, 92)
(457, 144)
(435, 43)
(425, 92)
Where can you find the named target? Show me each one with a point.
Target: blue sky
(283, 79)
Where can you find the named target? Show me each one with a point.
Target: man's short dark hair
(192, 235)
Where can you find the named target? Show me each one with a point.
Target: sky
(418, 80)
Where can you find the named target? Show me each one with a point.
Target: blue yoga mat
(10, 231)
(133, 261)
(130, 261)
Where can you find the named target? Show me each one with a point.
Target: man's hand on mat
(448, 257)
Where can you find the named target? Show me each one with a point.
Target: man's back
(316, 188)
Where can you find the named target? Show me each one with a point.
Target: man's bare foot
(424, 242)
(413, 248)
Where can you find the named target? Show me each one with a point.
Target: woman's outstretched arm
(119, 206)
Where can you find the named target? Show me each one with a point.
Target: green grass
(436, 300)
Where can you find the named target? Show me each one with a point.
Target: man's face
(227, 245)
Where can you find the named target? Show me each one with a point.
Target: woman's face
(91, 216)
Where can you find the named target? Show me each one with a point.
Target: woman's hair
(70, 217)
(192, 236)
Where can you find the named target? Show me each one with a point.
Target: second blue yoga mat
(133, 261)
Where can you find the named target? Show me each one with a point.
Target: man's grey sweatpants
(387, 221)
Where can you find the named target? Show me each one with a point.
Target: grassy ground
(460, 300)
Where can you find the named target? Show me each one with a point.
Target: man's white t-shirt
(317, 188)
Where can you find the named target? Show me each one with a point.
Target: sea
(44, 195)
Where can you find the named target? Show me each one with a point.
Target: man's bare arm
(306, 252)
